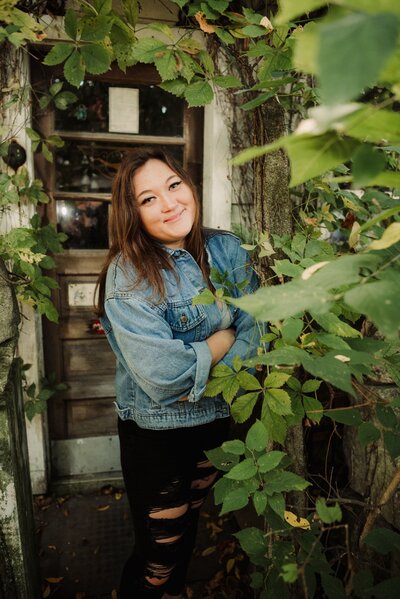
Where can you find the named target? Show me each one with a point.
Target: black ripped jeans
(167, 478)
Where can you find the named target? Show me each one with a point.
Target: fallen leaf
(208, 551)
(265, 22)
(46, 592)
(114, 594)
(53, 547)
(66, 513)
(230, 564)
(96, 550)
(55, 580)
(80, 595)
(118, 496)
(107, 490)
(103, 508)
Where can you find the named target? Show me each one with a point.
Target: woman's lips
(174, 218)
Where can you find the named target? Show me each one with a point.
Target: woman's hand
(220, 343)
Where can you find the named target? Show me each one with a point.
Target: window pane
(88, 166)
(160, 113)
(85, 223)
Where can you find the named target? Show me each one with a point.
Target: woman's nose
(168, 202)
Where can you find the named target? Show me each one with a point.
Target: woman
(159, 260)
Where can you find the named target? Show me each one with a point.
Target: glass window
(160, 113)
(89, 166)
(85, 222)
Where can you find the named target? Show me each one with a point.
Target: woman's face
(166, 204)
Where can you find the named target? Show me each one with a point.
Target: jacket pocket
(182, 317)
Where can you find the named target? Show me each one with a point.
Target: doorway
(113, 113)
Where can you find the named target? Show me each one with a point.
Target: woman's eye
(147, 200)
(175, 184)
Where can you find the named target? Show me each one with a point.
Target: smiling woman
(165, 346)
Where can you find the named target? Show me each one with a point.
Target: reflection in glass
(89, 167)
(160, 113)
(85, 223)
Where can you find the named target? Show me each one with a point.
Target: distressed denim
(160, 346)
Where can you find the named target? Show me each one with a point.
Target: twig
(386, 495)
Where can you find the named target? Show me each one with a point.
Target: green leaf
(97, 58)
(234, 500)
(243, 406)
(218, 5)
(332, 586)
(71, 24)
(236, 363)
(74, 69)
(260, 99)
(146, 49)
(329, 369)
(205, 297)
(215, 386)
(252, 540)
(277, 504)
(227, 81)
(56, 88)
(383, 540)
(236, 446)
(257, 437)
(332, 324)
(373, 125)
(275, 424)
(248, 381)
(290, 572)
(379, 301)
(222, 487)
(244, 470)
(350, 417)
(292, 328)
(199, 93)
(279, 481)
(166, 65)
(392, 443)
(47, 153)
(221, 460)
(276, 302)
(368, 433)
(254, 30)
(278, 401)
(313, 408)
(310, 386)
(388, 589)
(260, 502)
(276, 379)
(175, 86)
(269, 461)
(289, 9)
(364, 43)
(96, 29)
(230, 389)
(32, 134)
(367, 164)
(64, 99)
(328, 514)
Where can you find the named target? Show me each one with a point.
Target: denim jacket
(161, 349)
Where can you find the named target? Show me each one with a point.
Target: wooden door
(82, 420)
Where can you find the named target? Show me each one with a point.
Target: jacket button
(184, 318)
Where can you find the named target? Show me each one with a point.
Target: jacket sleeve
(248, 331)
(165, 368)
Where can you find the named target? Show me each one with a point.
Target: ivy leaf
(252, 540)
(260, 502)
(74, 69)
(276, 379)
(248, 381)
(274, 423)
(328, 514)
(64, 99)
(378, 301)
(198, 93)
(368, 433)
(244, 470)
(277, 503)
(222, 487)
(234, 500)
(176, 87)
(227, 81)
(392, 443)
(221, 460)
(243, 406)
(215, 386)
(221, 370)
(383, 540)
(71, 24)
(332, 324)
(236, 446)
(230, 389)
(147, 49)
(205, 297)
(236, 363)
(311, 385)
(350, 417)
(97, 58)
(278, 401)
(279, 481)
(269, 461)
(367, 164)
(257, 437)
(166, 65)
(333, 586)
(313, 408)
(96, 29)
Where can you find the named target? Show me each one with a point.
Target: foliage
(37, 402)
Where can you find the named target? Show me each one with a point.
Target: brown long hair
(128, 236)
